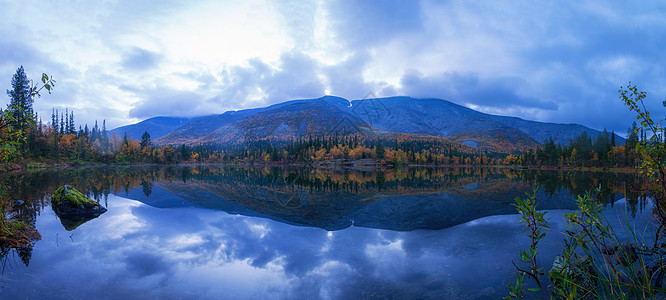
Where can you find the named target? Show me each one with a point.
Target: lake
(266, 232)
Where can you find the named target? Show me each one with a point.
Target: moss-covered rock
(66, 194)
(73, 208)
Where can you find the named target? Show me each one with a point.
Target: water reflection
(223, 232)
(397, 199)
(139, 251)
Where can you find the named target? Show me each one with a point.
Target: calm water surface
(220, 232)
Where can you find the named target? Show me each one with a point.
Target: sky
(126, 61)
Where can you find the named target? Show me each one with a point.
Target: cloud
(298, 76)
(11, 53)
(236, 87)
(145, 264)
(138, 59)
(361, 24)
(197, 252)
(166, 102)
(499, 92)
(346, 78)
(259, 84)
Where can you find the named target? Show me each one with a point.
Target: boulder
(579, 272)
(73, 208)
(625, 254)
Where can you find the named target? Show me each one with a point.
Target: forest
(64, 144)
(46, 144)
(30, 142)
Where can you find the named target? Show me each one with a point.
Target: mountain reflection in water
(396, 199)
(399, 199)
(227, 232)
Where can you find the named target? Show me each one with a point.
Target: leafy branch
(535, 222)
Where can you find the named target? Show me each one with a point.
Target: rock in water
(567, 272)
(73, 208)
(625, 254)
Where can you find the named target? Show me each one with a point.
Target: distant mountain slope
(373, 117)
(561, 133)
(156, 127)
(204, 126)
(318, 117)
(443, 118)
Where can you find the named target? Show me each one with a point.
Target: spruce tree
(613, 139)
(145, 140)
(72, 126)
(66, 121)
(54, 120)
(62, 124)
(105, 137)
(20, 104)
(96, 135)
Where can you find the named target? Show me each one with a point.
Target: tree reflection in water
(401, 199)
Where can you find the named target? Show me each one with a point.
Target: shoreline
(362, 164)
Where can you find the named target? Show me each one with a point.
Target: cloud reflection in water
(138, 251)
(199, 237)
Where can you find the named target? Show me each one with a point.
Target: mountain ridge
(376, 117)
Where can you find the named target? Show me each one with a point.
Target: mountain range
(375, 118)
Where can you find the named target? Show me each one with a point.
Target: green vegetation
(583, 151)
(535, 222)
(644, 145)
(598, 262)
(14, 122)
(652, 150)
(70, 196)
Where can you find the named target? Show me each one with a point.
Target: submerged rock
(624, 254)
(73, 208)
